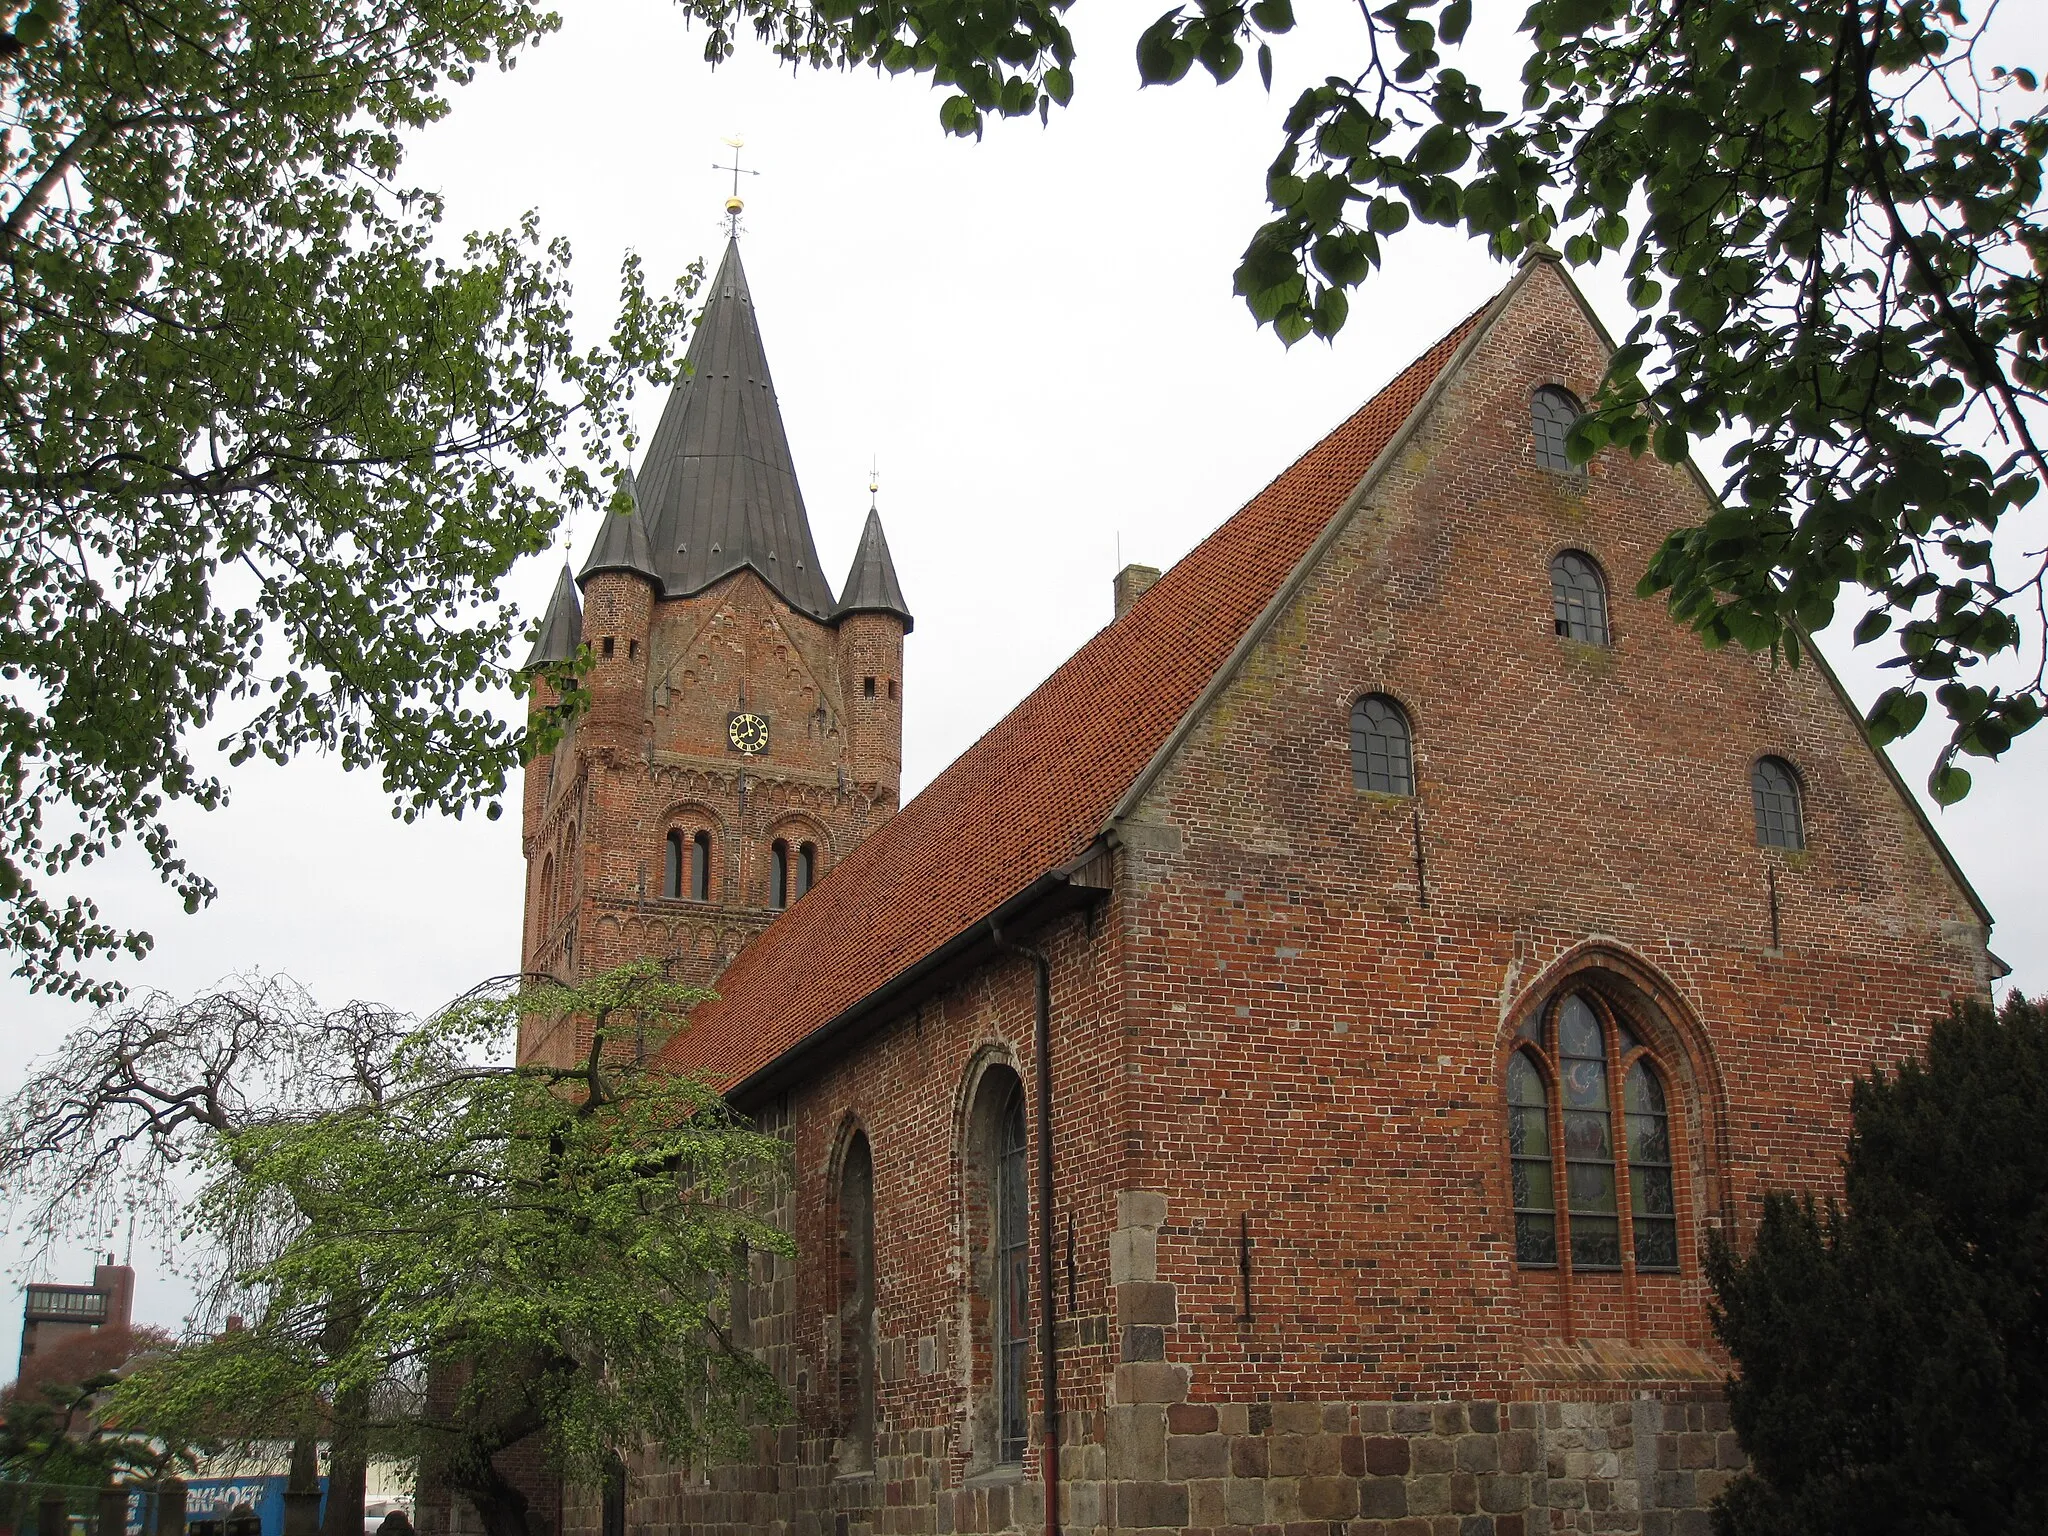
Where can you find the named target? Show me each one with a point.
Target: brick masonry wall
(1288, 1302)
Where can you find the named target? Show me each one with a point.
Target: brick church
(1282, 1078)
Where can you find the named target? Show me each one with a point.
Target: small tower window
(867, 687)
(1774, 789)
(607, 645)
(1578, 598)
(700, 867)
(892, 687)
(778, 874)
(1382, 761)
(672, 866)
(806, 867)
(1552, 412)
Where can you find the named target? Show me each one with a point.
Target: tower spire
(718, 487)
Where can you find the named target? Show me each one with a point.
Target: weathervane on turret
(733, 205)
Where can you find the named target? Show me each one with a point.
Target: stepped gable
(1038, 788)
(718, 487)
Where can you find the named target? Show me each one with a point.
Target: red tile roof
(1035, 791)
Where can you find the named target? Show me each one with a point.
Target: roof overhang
(1055, 894)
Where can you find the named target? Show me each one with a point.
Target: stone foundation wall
(1647, 1465)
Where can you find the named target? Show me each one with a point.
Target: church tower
(745, 727)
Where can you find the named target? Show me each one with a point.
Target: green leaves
(1852, 294)
(238, 362)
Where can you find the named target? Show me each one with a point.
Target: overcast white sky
(1033, 335)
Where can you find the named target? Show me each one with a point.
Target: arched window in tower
(1578, 598)
(1774, 789)
(857, 1307)
(1551, 413)
(1382, 760)
(778, 874)
(999, 1230)
(700, 867)
(1580, 1047)
(672, 866)
(806, 867)
(1529, 1154)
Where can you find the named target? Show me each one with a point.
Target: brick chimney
(1131, 583)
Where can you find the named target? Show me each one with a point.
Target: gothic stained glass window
(1382, 762)
(1775, 791)
(672, 866)
(1578, 598)
(1588, 1137)
(700, 867)
(1590, 1048)
(1529, 1151)
(1013, 1282)
(1654, 1211)
(1551, 414)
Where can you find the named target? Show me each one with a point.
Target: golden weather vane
(733, 205)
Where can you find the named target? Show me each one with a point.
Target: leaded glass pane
(1535, 1238)
(1591, 1186)
(1525, 1083)
(1551, 414)
(1649, 1191)
(1656, 1244)
(1641, 1092)
(1587, 1134)
(1649, 1139)
(1775, 793)
(1382, 762)
(1596, 1242)
(1578, 1030)
(1578, 598)
(1532, 1184)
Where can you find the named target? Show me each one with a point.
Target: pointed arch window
(1578, 598)
(700, 867)
(857, 1306)
(1562, 1112)
(672, 866)
(1551, 413)
(806, 867)
(1382, 755)
(1774, 790)
(999, 1227)
(778, 874)
(1013, 1269)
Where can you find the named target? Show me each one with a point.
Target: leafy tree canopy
(266, 446)
(1829, 214)
(1894, 1352)
(437, 1252)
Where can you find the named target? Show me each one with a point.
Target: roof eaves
(1284, 594)
(1053, 894)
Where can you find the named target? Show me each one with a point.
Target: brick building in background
(53, 1315)
(1339, 1002)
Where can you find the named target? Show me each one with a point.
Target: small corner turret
(620, 585)
(873, 619)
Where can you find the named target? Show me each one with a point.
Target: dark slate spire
(718, 487)
(622, 544)
(871, 586)
(562, 630)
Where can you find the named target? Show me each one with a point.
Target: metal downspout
(1048, 1352)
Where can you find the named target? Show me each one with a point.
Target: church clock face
(747, 733)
